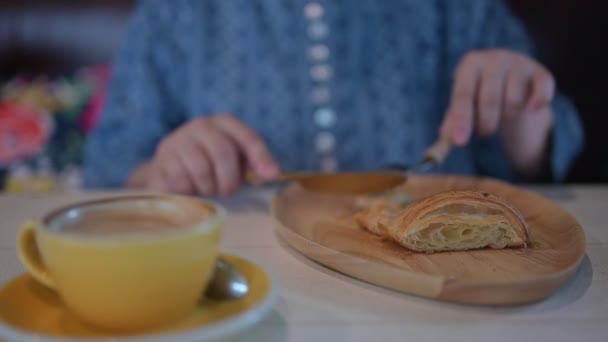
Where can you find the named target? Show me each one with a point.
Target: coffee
(122, 217)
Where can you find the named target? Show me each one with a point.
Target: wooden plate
(320, 226)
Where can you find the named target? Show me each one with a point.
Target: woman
(205, 90)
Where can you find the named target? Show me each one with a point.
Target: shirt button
(324, 117)
(320, 95)
(319, 52)
(318, 30)
(321, 73)
(313, 10)
(325, 142)
(329, 164)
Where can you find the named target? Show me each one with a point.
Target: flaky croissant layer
(449, 221)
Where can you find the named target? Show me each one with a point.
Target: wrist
(527, 143)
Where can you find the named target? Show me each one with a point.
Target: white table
(318, 304)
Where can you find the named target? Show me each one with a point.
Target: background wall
(59, 35)
(571, 41)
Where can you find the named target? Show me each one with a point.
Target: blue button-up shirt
(376, 88)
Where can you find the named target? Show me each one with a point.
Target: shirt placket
(321, 72)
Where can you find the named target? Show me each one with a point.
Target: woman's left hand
(499, 91)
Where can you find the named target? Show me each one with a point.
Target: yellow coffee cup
(126, 263)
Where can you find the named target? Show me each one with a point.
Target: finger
(543, 90)
(224, 158)
(489, 98)
(198, 167)
(156, 181)
(174, 173)
(515, 92)
(458, 122)
(253, 146)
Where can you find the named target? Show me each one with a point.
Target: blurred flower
(47, 118)
(24, 132)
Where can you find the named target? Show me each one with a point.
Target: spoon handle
(434, 156)
(252, 178)
(437, 152)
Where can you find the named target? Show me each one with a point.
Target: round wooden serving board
(320, 226)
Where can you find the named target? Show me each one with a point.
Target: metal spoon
(361, 182)
(226, 282)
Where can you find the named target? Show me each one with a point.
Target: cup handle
(30, 254)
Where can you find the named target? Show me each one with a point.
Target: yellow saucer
(31, 312)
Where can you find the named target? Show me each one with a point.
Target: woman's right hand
(206, 156)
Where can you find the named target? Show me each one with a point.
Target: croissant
(377, 217)
(458, 220)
